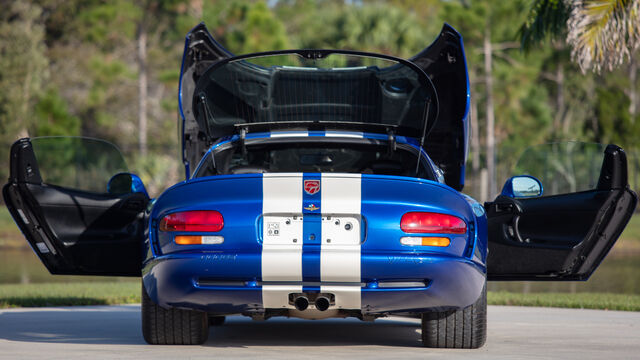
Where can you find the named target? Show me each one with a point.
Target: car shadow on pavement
(121, 325)
(74, 325)
(241, 332)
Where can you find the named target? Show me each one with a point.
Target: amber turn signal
(198, 240)
(425, 241)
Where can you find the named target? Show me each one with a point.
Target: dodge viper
(318, 184)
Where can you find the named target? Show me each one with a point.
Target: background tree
(23, 71)
(80, 67)
(602, 33)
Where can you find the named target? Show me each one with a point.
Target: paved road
(99, 332)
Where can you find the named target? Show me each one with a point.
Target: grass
(128, 292)
(10, 235)
(632, 232)
(69, 294)
(601, 301)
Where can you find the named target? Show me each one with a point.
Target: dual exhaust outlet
(320, 301)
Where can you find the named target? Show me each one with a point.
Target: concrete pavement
(100, 332)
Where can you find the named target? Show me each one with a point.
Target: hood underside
(304, 88)
(222, 95)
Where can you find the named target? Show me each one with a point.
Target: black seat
(387, 167)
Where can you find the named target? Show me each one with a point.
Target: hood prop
(207, 114)
(243, 146)
(392, 142)
(427, 107)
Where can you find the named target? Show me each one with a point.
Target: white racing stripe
(289, 134)
(340, 258)
(345, 134)
(281, 258)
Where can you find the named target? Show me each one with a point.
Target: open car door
(57, 195)
(565, 233)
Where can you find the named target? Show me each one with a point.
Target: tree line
(110, 69)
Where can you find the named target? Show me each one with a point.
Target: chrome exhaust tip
(301, 303)
(322, 303)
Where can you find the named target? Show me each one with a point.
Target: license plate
(282, 229)
(288, 229)
(341, 230)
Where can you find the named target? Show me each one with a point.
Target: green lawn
(128, 292)
(603, 301)
(68, 294)
(632, 232)
(10, 235)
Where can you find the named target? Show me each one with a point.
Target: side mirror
(126, 183)
(522, 186)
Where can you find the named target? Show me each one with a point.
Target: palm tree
(602, 34)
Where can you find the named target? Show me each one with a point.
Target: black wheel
(172, 326)
(216, 320)
(461, 329)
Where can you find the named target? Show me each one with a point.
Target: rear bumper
(230, 283)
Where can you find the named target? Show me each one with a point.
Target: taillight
(193, 221)
(432, 223)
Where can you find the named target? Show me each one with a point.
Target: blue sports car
(318, 184)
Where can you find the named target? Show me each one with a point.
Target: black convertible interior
(360, 156)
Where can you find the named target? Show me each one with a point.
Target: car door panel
(73, 231)
(560, 237)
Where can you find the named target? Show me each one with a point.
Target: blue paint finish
(481, 242)
(137, 186)
(311, 248)
(454, 274)
(311, 232)
(465, 117)
(456, 279)
(237, 198)
(173, 281)
(183, 120)
(386, 198)
(454, 283)
(311, 202)
(507, 189)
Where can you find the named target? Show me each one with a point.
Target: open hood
(448, 142)
(222, 95)
(200, 52)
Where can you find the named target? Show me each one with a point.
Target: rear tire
(460, 329)
(162, 326)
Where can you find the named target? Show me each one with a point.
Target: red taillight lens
(195, 221)
(433, 223)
